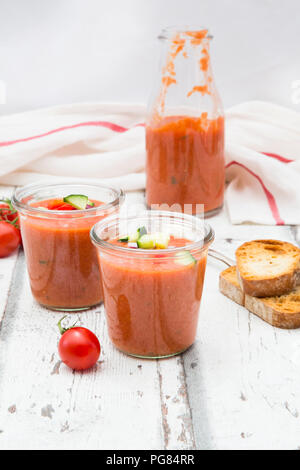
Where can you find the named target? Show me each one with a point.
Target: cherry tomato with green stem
(7, 212)
(78, 347)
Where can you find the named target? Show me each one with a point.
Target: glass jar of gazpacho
(152, 269)
(185, 128)
(55, 222)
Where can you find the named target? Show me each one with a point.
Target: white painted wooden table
(238, 387)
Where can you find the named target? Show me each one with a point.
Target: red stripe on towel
(108, 125)
(271, 200)
(278, 157)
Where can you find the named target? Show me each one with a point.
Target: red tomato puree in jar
(152, 305)
(61, 260)
(185, 162)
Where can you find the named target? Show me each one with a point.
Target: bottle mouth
(186, 31)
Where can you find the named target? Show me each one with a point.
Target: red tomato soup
(61, 260)
(185, 163)
(152, 304)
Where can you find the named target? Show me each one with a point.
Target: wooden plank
(123, 403)
(7, 265)
(242, 374)
(295, 233)
(176, 414)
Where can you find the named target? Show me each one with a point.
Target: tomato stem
(12, 211)
(62, 330)
(8, 202)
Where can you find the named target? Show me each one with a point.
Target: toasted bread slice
(282, 311)
(229, 285)
(268, 267)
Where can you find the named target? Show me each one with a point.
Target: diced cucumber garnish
(134, 236)
(185, 258)
(130, 238)
(161, 240)
(142, 231)
(123, 239)
(146, 242)
(79, 201)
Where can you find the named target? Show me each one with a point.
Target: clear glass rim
(169, 31)
(29, 189)
(117, 249)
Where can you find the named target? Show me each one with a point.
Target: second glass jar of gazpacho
(152, 269)
(185, 128)
(55, 223)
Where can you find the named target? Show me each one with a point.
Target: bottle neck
(186, 79)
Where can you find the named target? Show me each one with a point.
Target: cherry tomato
(60, 205)
(65, 207)
(10, 238)
(7, 212)
(78, 347)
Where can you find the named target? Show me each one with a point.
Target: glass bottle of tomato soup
(185, 128)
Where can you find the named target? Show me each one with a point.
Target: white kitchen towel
(263, 164)
(106, 142)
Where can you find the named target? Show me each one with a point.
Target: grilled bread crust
(282, 311)
(268, 267)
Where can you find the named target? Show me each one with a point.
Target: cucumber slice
(133, 237)
(123, 239)
(161, 240)
(185, 258)
(142, 231)
(146, 242)
(79, 201)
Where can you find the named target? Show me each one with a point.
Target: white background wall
(64, 51)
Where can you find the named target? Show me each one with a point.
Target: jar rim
(110, 221)
(32, 188)
(169, 31)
